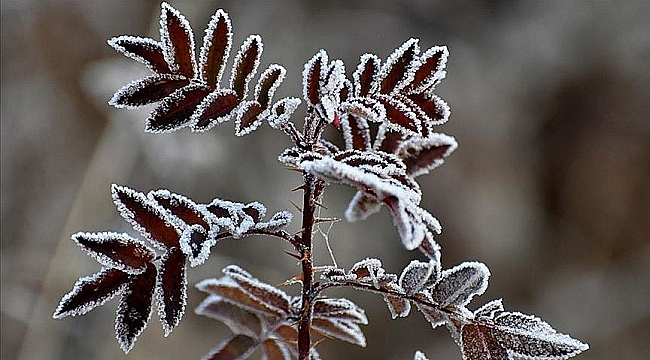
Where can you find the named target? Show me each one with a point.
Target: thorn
(293, 280)
(301, 187)
(293, 169)
(293, 255)
(296, 206)
(301, 231)
(322, 220)
(319, 204)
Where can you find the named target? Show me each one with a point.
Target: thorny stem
(304, 325)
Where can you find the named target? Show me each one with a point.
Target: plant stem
(304, 326)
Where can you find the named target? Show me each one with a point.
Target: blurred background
(550, 185)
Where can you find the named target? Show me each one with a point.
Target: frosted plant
(387, 115)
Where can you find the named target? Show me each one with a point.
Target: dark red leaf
(400, 117)
(147, 90)
(366, 74)
(356, 133)
(91, 291)
(235, 347)
(119, 251)
(173, 289)
(216, 47)
(248, 119)
(217, 107)
(430, 70)
(311, 77)
(269, 81)
(144, 50)
(145, 216)
(245, 65)
(389, 140)
(434, 107)
(178, 41)
(420, 155)
(395, 69)
(134, 310)
(238, 319)
(479, 344)
(174, 111)
(182, 207)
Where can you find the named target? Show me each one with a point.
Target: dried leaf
(489, 309)
(230, 291)
(117, 251)
(479, 344)
(275, 350)
(267, 294)
(339, 308)
(134, 310)
(235, 347)
(416, 275)
(217, 42)
(340, 329)
(238, 320)
(92, 291)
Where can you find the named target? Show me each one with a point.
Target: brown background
(550, 186)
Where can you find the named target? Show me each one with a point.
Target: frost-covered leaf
(340, 329)
(178, 41)
(195, 243)
(479, 344)
(215, 108)
(282, 111)
(268, 83)
(248, 118)
(339, 308)
(431, 249)
(430, 69)
(245, 65)
(117, 251)
(416, 275)
(238, 320)
(172, 291)
(147, 90)
(368, 269)
(231, 292)
(400, 117)
(366, 74)
(217, 42)
(312, 77)
(435, 109)
(387, 140)
(528, 336)
(144, 50)
(235, 347)
(361, 206)
(146, 216)
(180, 206)
(134, 309)
(175, 111)
(489, 309)
(267, 294)
(396, 72)
(356, 132)
(458, 285)
(424, 154)
(275, 350)
(91, 291)
(397, 305)
(278, 221)
(412, 222)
